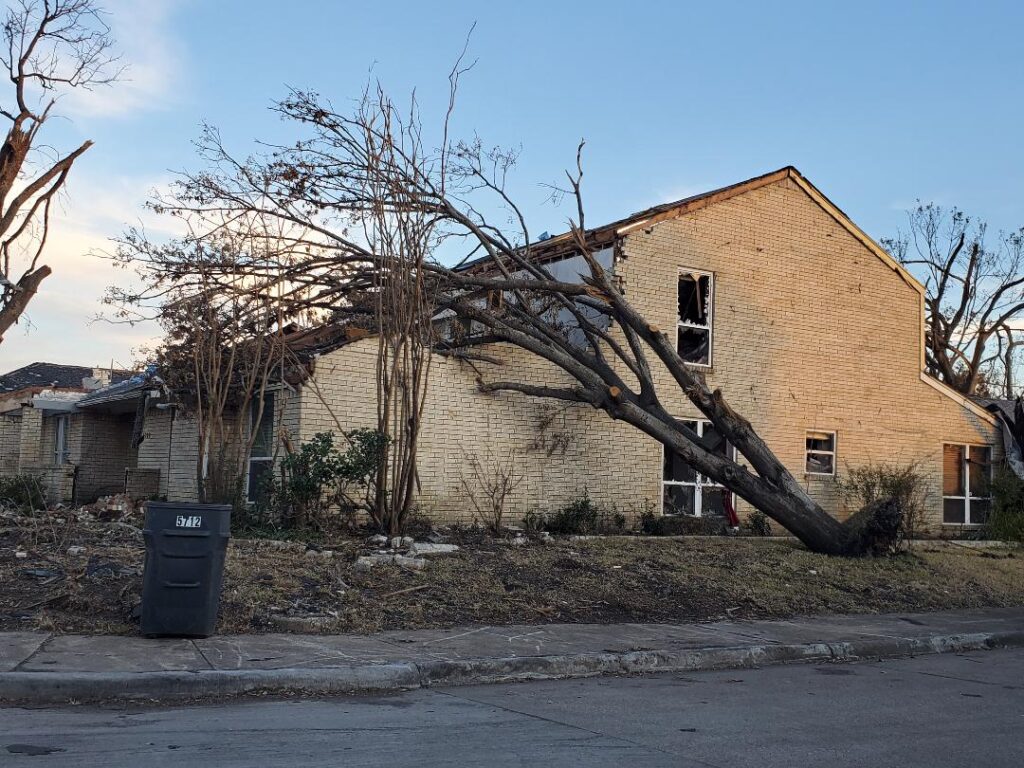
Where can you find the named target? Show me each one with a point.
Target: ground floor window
(261, 456)
(61, 442)
(684, 490)
(966, 484)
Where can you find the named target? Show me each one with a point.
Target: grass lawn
(273, 588)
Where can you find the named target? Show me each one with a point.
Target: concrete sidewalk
(45, 668)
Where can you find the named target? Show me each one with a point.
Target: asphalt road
(944, 710)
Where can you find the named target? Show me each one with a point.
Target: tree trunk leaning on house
(49, 47)
(335, 175)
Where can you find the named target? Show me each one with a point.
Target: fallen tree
(494, 289)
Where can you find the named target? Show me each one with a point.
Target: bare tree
(221, 351)
(402, 238)
(49, 47)
(975, 296)
(494, 287)
(488, 483)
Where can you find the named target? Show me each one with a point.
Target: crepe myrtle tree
(334, 176)
(48, 48)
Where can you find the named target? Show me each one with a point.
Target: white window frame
(270, 395)
(834, 453)
(699, 482)
(710, 311)
(966, 470)
(61, 440)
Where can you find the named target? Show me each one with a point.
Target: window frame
(965, 469)
(699, 481)
(710, 327)
(269, 400)
(62, 440)
(834, 453)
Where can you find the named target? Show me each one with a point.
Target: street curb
(65, 687)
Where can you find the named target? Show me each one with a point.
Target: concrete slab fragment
(15, 647)
(95, 653)
(298, 651)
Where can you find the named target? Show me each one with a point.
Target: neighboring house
(809, 328)
(79, 455)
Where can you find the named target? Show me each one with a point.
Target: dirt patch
(275, 587)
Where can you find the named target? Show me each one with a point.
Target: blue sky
(878, 103)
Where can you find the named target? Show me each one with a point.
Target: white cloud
(154, 62)
(61, 323)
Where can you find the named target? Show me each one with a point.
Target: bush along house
(810, 329)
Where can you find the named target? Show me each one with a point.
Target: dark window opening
(693, 338)
(684, 490)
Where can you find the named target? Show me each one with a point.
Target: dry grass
(273, 588)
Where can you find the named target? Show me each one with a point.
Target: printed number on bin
(188, 521)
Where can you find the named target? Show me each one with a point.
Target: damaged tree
(974, 301)
(605, 353)
(49, 47)
(221, 351)
(401, 236)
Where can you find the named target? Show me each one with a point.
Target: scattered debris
(48, 574)
(401, 542)
(421, 548)
(100, 567)
(367, 562)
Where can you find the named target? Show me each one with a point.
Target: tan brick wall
(812, 331)
(10, 442)
(101, 448)
(170, 445)
(578, 450)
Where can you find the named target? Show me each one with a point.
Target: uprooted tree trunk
(533, 317)
(605, 349)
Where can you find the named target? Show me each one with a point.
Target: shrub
(488, 486)
(578, 517)
(318, 479)
(22, 493)
(904, 484)
(1006, 521)
(534, 522)
(877, 529)
(759, 523)
(652, 524)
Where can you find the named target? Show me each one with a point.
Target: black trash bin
(185, 547)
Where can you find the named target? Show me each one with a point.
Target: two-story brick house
(809, 328)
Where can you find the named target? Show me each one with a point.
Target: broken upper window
(821, 453)
(693, 335)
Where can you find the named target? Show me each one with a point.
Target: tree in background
(974, 301)
(48, 48)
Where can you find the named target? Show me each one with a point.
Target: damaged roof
(52, 375)
(123, 390)
(1004, 408)
(321, 339)
(602, 236)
